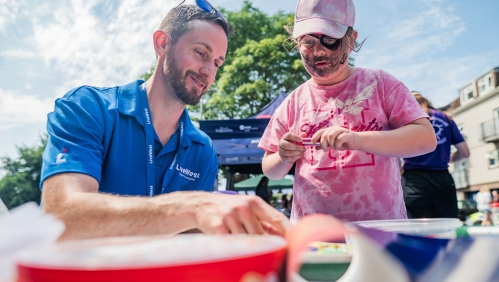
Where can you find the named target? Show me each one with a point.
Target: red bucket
(190, 257)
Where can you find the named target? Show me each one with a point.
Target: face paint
(328, 42)
(320, 66)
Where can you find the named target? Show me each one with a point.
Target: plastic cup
(426, 227)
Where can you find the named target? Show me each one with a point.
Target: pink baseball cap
(329, 17)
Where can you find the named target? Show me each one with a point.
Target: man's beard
(333, 64)
(172, 76)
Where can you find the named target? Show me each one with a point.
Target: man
(110, 150)
(359, 122)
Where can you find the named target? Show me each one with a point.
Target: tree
(257, 68)
(21, 181)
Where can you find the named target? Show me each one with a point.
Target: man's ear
(162, 42)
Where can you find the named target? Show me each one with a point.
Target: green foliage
(22, 176)
(257, 68)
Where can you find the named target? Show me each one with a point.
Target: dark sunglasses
(327, 41)
(207, 7)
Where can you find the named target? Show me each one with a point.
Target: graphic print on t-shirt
(439, 126)
(347, 114)
(352, 107)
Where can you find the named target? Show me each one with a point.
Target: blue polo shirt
(101, 132)
(447, 134)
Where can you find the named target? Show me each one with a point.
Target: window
(466, 93)
(484, 84)
(493, 159)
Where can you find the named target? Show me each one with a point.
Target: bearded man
(127, 160)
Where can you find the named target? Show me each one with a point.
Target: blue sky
(50, 46)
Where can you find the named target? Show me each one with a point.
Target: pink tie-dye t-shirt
(350, 185)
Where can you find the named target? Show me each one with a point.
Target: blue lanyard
(171, 169)
(149, 130)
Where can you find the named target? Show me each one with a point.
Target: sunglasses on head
(327, 41)
(207, 7)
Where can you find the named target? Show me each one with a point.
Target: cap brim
(317, 25)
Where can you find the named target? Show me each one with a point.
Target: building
(476, 113)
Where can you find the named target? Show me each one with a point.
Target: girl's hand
(289, 150)
(337, 138)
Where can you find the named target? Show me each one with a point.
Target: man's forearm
(90, 215)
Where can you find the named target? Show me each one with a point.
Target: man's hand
(289, 151)
(239, 214)
(337, 138)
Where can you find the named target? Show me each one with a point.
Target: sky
(48, 47)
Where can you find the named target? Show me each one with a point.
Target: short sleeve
(401, 107)
(456, 135)
(76, 130)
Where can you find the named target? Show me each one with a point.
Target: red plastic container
(191, 257)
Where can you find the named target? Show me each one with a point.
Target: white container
(426, 227)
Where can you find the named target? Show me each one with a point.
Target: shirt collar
(129, 104)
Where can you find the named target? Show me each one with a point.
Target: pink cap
(329, 17)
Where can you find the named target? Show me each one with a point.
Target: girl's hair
(426, 104)
(347, 42)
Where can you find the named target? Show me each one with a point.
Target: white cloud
(8, 11)
(64, 44)
(437, 77)
(95, 44)
(425, 32)
(413, 48)
(19, 54)
(18, 110)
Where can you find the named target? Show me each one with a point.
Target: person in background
(361, 119)
(495, 196)
(127, 160)
(285, 206)
(494, 208)
(429, 189)
(262, 190)
(483, 200)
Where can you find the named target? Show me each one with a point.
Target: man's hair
(347, 42)
(176, 22)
